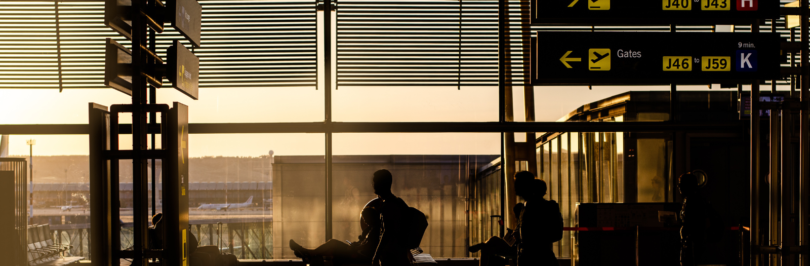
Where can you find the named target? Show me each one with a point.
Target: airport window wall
(455, 178)
(251, 193)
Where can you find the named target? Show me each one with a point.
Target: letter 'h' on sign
(747, 5)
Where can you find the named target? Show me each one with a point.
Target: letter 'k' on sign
(747, 5)
(746, 60)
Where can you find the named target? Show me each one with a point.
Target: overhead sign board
(590, 58)
(118, 16)
(186, 17)
(175, 189)
(183, 69)
(117, 69)
(635, 12)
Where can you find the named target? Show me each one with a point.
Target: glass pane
(576, 169)
(650, 158)
(415, 104)
(432, 172)
(565, 193)
(485, 207)
(554, 171)
(585, 164)
(603, 166)
(542, 162)
(301, 104)
(556, 103)
(61, 190)
(619, 168)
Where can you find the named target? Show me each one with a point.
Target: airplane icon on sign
(599, 57)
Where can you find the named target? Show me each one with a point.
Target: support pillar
(754, 177)
(804, 137)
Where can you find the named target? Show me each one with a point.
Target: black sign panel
(186, 18)
(117, 74)
(567, 58)
(118, 16)
(635, 12)
(184, 69)
(175, 190)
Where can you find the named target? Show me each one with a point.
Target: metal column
(140, 188)
(804, 138)
(100, 225)
(774, 186)
(788, 234)
(754, 176)
(528, 89)
(327, 85)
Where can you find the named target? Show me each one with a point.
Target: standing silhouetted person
(694, 221)
(540, 222)
(391, 250)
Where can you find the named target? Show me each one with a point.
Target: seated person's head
(687, 183)
(156, 218)
(382, 182)
(370, 216)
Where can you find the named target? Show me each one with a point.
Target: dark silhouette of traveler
(495, 248)
(539, 226)
(540, 222)
(694, 218)
(392, 250)
(360, 251)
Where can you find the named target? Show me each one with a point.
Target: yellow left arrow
(565, 59)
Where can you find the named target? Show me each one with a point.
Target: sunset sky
(358, 104)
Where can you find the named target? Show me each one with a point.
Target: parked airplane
(67, 208)
(225, 206)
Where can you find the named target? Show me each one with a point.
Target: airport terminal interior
(233, 132)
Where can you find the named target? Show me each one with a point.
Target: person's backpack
(716, 229)
(417, 225)
(556, 226)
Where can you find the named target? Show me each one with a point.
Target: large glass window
(651, 154)
(431, 172)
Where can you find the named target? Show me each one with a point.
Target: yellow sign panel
(715, 5)
(185, 256)
(715, 63)
(598, 4)
(792, 20)
(599, 59)
(677, 5)
(677, 63)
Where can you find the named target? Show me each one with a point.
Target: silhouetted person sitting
(493, 249)
(156, 231)
(539, 226)
(694, 220)
(392, 250)
(360, 251)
